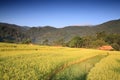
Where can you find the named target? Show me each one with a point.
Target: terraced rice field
(34, 62)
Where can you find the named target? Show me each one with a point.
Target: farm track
(66, 65)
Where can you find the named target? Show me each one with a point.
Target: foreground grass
(78, 71)
(33, 62)
(107, 69)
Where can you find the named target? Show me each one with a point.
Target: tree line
(98, 40)
(93, 41)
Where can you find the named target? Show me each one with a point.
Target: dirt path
(64, 66)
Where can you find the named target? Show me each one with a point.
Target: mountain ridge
(37, 35)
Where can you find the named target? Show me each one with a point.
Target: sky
(58, 13)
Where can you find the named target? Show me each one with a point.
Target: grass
(78, 71)
(34, 62)
(107, 69)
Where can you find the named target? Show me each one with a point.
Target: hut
(106, 48)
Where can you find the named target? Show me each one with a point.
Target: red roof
(105, 48)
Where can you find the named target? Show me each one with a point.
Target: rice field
(107, 69)
(35, 62)
(78, 71)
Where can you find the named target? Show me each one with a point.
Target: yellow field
(107, 69)
(33, 62)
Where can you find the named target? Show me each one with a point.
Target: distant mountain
(12, 32)
(15, 33)
(110, 26)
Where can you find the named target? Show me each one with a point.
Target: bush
(116, 46)
(26, 41)
(76, 42)
(98, 43)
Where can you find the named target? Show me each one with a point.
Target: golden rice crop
(107, 69)
(33, 62)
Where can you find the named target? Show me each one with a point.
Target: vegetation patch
(107, 69)
(23, 62)
(78, 71)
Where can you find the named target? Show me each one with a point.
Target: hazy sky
(58, 13)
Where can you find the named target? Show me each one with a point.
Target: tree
(97, 43)
(59, 42)
(26, 41)
(45, 42)
(114, 40)
(76, 42)
(101, 35)
(116, 46)
(87, 41)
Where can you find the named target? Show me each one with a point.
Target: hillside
(15, 33)
(110, 26)
(12, 33)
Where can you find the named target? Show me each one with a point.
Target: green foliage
(76, 42)
(26, 41)
(114, 40)
(101, 39)
(101, 35)
(116, 46)
(78, 71)
(87, 41)
(12, 33)
(60, 42)
(45, 42)
(37, 34)
(90, 37)
(97, 43)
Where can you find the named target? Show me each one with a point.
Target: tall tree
(76, 42)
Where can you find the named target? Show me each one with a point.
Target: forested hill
(12, 33)
(15, 33)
